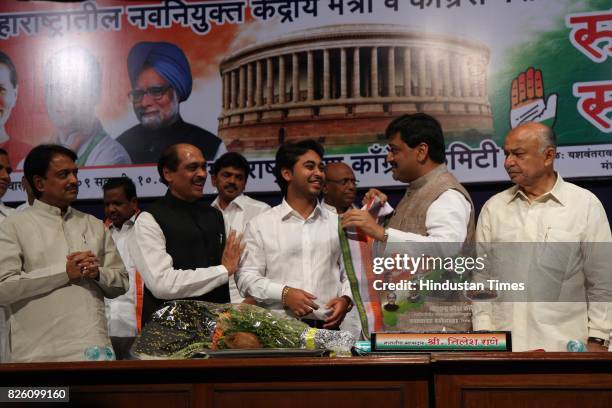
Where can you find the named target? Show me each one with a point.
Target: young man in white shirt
(229, 175)
(123, 313)
(293, 260)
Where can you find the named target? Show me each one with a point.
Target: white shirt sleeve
(250, 278)
(446, 220)
(15, 284)
(147, 247)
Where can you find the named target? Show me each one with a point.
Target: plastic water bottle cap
(109, 354)
(92, 353)
(576, 346)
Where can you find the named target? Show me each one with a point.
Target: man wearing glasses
(339, 192)
(340, 187)
(161, 79)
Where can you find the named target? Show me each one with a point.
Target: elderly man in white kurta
(56, 266)
(568, 223)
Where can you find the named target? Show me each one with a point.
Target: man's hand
(595, 347)
(232, 252)
(364, 221)
(82, 264)
(339, 306)
(73, 271)
(372, 194)
(249, 301)
(300, 302)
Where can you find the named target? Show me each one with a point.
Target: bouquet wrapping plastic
(183, 328)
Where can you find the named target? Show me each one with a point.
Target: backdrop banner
(119, 81)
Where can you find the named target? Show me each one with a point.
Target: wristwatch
(349, 301)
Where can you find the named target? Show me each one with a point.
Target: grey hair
(547, 138)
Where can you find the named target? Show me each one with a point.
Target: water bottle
(96, 353)
(576, 346)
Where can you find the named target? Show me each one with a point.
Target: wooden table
(317, 382)
(515, 380)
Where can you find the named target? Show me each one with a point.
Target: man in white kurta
(56, 266)
(565, 220)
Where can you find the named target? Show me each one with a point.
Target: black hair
(6, 60)
(37, 162)
(231, 159)
(289, 153)
(124, 182)
(3, 152)
(418, 128)
(169, 159)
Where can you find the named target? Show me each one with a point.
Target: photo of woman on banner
(161, 79)
(8, 99)
(73, 89)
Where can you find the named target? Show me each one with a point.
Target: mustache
(234, 186)
(142, 111)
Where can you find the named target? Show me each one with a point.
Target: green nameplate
(441, 341)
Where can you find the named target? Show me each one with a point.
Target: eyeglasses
(344, 181)
(155, 92)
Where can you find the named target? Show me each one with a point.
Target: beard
(159, 119)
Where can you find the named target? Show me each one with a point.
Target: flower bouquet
(184, 328)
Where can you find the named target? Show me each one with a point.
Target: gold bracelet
(349, 303)
(284, 295)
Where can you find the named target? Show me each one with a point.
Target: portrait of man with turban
(161, 79)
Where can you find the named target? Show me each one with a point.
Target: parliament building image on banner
(342, 83)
